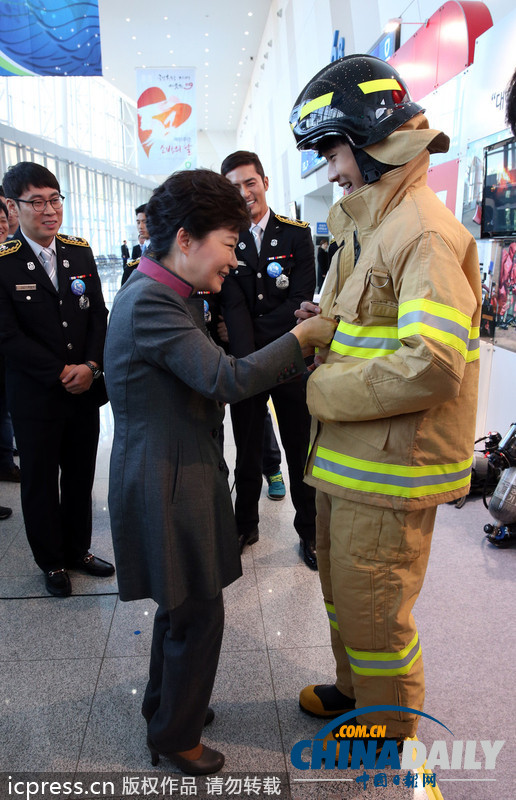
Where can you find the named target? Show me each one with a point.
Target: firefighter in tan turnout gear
(393, 399)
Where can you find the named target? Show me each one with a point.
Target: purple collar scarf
(161, 274)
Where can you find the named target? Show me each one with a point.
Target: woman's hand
(314, 331)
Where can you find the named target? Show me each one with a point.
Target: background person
(171, 513)
(275, 273)
(52, 330)
(394, 398)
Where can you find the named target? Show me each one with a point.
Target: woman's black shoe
(208, 762)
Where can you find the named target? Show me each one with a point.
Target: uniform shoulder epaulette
(133, 263)
(298, 222)
(72, 240)
(10, 246)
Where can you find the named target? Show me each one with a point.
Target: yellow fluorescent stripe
(317, 102)
(474, 333)
(365, 654)
(437, 309)
(393, 469)
(394, 671)
(381, 488)
(380, 85)
(364, 331)
(474, 355)
(421, 329)
(359, 352)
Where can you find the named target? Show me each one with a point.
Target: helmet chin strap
(371, 169)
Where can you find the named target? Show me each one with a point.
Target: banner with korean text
(167, 129)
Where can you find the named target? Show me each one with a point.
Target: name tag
(25, 287)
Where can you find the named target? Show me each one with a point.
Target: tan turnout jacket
(394, 405)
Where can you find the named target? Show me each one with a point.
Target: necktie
(47, 258)
(257, 233)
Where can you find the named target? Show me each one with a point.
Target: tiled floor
(73, 670)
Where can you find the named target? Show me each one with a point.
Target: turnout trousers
(372, 563)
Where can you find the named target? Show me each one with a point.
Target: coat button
(28, 297)
(69, 346)
(260, 297)
(258, 274)
(65, 324)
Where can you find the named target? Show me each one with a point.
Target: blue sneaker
(276, 490)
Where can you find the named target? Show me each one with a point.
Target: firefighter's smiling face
(342, 167)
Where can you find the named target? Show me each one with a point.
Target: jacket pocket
(368, 296)
(373, 433)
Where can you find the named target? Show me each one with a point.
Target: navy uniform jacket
(249, 288)
(42, 330)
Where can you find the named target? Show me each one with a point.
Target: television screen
(499, 191)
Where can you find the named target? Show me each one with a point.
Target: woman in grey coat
(171, 513)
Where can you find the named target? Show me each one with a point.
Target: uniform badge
(282, 282)
(66, 263)
(274, 242)
(241, 245)
(274, 270)
(78, 287)
(84, 301)
(31, 265)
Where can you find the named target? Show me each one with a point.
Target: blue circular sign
(274, 270)
(78, 287)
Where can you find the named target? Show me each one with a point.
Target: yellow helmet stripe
(313, 105)
(380, 85)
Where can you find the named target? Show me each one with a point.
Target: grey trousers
(184, 658)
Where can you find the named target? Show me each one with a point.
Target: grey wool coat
(171, 513)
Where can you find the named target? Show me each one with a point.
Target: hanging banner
(50, 38)
(167, 129)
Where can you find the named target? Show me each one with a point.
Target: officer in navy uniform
(52, 330)
(276, 268)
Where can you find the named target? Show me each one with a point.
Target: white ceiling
(221, 39)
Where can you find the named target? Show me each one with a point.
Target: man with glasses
(52, 331)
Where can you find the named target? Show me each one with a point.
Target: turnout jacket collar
(367, 207)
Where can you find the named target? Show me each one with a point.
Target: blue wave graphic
(61, 38)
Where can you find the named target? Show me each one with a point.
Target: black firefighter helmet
(358, 97)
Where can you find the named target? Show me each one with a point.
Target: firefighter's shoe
(324, 700)
(276, 490)
(346, 744)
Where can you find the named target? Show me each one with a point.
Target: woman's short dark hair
(198, 200)
(18, 178)
(4, 209)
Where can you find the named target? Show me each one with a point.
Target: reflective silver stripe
(389, 478)
(374, 343)
(330, 610)
(390, 663)
(433, 321)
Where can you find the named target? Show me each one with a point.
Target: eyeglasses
(39, 204)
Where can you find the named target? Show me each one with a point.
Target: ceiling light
(249, 13)
(206, 63)
(168, 35)
(165, 18)
(128, 19)
(206, 34)
(133, 37)
(246, 33)
(206, 49)
(139, 53)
